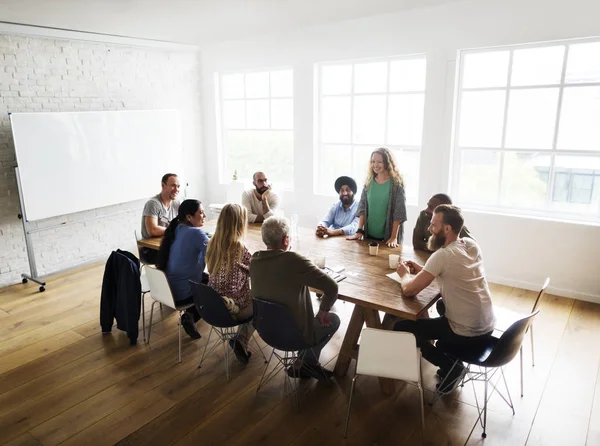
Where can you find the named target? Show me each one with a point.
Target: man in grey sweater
(284, 277)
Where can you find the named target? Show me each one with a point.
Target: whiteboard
(75, 161)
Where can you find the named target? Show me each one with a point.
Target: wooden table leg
(372, 320)
(348, 349)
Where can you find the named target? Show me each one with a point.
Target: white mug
(394, 259)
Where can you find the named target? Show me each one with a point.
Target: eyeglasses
(260, 180)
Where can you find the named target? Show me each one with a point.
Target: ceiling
(195, 22)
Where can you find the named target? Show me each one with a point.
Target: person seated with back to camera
(181, 257)
(284, 277)
(228, 262)
(341, 219)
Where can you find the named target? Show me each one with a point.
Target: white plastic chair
(389, 354)
(506, 317)
(161, 293)
(144, 281)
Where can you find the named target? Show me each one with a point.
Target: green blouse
(378, 197)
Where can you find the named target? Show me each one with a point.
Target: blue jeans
(322, 337)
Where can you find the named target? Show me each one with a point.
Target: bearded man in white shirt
(458, 267)
(260, 201)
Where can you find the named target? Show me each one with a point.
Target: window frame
(222, 129)
(553, 152)
(318, 143)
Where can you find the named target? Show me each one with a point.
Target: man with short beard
(458, 267)
(260, 201)
(341, 219)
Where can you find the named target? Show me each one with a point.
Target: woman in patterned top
(228, 262)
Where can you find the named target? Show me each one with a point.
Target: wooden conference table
(365, 285)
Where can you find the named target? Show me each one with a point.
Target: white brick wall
(41, 74)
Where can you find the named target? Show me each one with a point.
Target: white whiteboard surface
(75, 161)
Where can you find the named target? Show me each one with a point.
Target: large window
(527, 129)
(364, 105)
(257, 122)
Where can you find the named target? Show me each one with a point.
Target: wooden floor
(62, 382)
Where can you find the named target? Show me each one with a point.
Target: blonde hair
(389, 163)
(226, 247)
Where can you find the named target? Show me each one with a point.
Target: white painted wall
(53, 74)
(517, 251)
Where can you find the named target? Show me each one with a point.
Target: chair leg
(485, 402)
(521, 364)
(150, 326)
(262, 378)
(205, 347)
(144, 317)
(510, 403)
(532, 351)
(350, 406)
(226, 351)
(179, 329)
(422, 412)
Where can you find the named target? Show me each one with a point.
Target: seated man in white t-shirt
(458, 267)
(260, 201)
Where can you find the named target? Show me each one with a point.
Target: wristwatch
(360, 231)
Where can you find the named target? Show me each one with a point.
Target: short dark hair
(452, 216)
(166, 176)
(256, 173)
(442, 198)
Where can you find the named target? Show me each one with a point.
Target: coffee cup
(394, 259)
(373, 248)
(320, 261)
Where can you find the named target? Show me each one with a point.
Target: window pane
(370, 77)
(407, 75)
(257, 114)
(531, 118)
(488, 69)
(537, 66)
(234, 114)
(257, 85)
(576, 184)
(264, 150)
(335, 119)
(336, 79)
(405, 119)
(478, 178)
(524, 180)
(282, 84)
(335, 161)
(409, 165)
(481, 118)
(583, 64)
(232, 86)
(579, 119)
(282, 114)
(361, 162)
(369, 120)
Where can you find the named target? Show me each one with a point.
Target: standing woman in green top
(382, 207)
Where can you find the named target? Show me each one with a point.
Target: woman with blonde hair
(382, 206)
(228, 262)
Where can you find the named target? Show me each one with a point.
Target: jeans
(437, 328)
(322, 337)
(245, 331)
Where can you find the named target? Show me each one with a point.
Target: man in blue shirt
(341, 219)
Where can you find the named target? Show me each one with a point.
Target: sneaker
(189, 326)
(451, 381)
(301, 373)
(441, 373)
(240, 353)
(318, 372)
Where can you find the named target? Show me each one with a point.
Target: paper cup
(394, 258)
(320, 261)
(373, 250)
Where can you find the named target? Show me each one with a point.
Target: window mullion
(504, 121)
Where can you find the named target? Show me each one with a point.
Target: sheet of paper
(395, 277)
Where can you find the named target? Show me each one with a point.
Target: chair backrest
(159, 286)
(509, 343)
(276, 326)
(389, 354)
(541, 294)
(211, 307)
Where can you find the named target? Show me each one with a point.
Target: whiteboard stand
(33, 276)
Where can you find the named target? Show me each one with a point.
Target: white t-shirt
(254, 205)
(458, 269)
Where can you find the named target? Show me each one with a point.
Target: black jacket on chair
(121, 294)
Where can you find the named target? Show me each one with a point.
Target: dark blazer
(121, 294)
